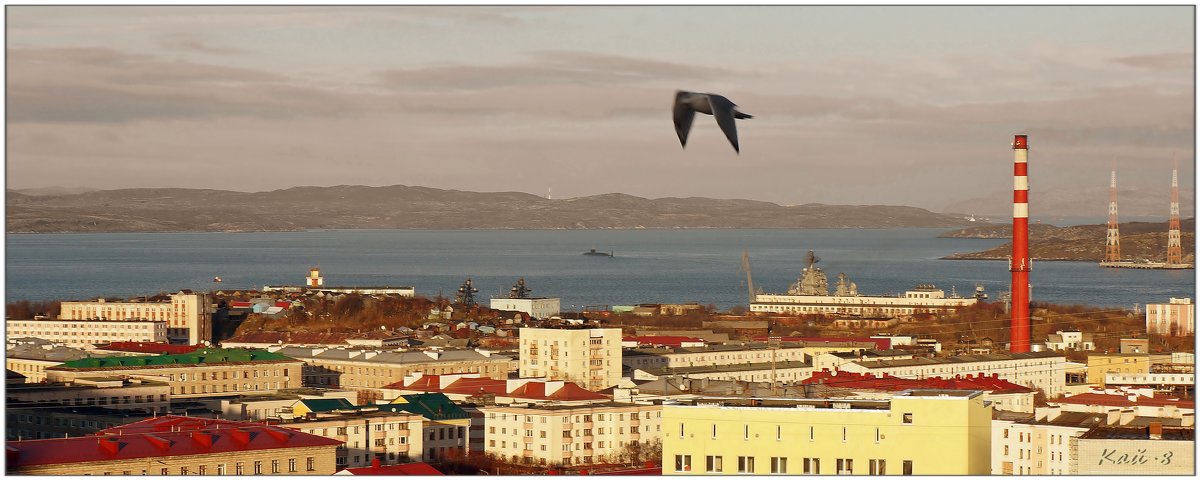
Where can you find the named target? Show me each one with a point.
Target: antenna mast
(749, 275)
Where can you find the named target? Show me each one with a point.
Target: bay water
(648, 266)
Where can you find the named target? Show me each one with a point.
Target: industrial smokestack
(1020, 264)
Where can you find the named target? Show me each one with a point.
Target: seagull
(688, 103)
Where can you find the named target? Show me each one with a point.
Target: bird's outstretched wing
(722, 110)
(683, 117)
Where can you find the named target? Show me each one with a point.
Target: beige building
(569, 434)
(188, 314)
(110, 392)
(1101, 364)
(203, 373)
(1044, 370)
(85, 333)
(366, 434)
(717, 355)
(370, 370)
(536, 307)
(31, 357)
(171, 445)
(590, 357)
(1150, 450)
(1178, 317)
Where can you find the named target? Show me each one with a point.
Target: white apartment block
(85, 333)
(1175, 318)
(391, 437)
(539, 308)
(569, 434)
(1032, 447)
(589, 357)
(188, 314)
(1044, 370)
(717, 355)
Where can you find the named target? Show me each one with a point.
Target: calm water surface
(650, 266)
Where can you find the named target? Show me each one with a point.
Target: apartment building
(781, 371)
(716, 355)
(1177, 317)
(172, 445)
(272, 406)
(447, 426)
(1101, 364)
(112, 392)
(203, 373)
(1044, 370)
(85, 333)
(365, 434)
(473, 388)
(1037, 445)
(1003, 395)
(31, 357)
(1150, 450)
(569, 434)
(536, 307)
(919, 432)
(590, 357)
(188, 314)
(369, 370)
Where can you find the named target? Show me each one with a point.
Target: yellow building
(1098, 364)
(590, 357)
(919, 432)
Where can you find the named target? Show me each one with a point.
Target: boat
(594, 253)
(216, 279)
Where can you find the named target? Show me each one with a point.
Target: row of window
(779, 465)
(812, 430)
(600, 417)
(183, 377)
(239, 468)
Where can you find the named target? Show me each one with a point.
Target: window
(292, 463)
(745, 464)
(258, 467)
(275, 466)
(845, 466)
(812, 466)
(237, 469)
(220, 469)
(201, 470)
(182, 471)
(908, 467)
(714, 430)
(683, 463)
(908, 418)
(778, 464)
(1006, 450)
(812, 433)
(745, 432)
(1006, 433)
(713, 463)
(778, 432)
(680, 430)
(843, 434)
(877, 466)
(311, 464)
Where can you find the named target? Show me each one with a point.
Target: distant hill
(405, 207)
(1139, 240)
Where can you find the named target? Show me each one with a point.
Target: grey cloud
(189, 43)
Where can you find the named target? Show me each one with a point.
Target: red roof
(890, 383)
(880, 343)
(1124, 401)
(418, 468)
(240, 304)
(151, 347)
(165, 436)
(532, 390)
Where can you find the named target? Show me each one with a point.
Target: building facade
(1176, 318)
(590, 357)
(1044, 370)
(188, 314)
(111, 392)
(569, 434)
(536, 307)
(1152, 450)
(366, 435)
(369, 370)
(917, 433)
(81, 333)
(204, 373)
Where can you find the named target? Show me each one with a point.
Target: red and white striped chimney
(1020, 264)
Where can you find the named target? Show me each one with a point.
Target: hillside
(1139, 240)
(405, 207)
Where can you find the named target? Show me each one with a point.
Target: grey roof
(388, 356)
(995, 357)
(57, 353)
(735, 367)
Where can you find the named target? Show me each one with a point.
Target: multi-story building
(1101, 364)
(781, 371)
(920, 432)
(755, 352)
(207, 372)
(536, 307)
(111, 392)
(1037, 445)
(471, 387)
(1002, 394)
(369, 370)
(365, 434)
(1070, 340)
(85, 333)
(1044, 370)
(44, 421)
(31, 357)
(590, 357)
(1149, 450)
(1178, 317)
(447, 426)
(569, 434)
(171, 445)
(273, 406)
(188, 314)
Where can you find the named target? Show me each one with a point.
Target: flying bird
(725, 111)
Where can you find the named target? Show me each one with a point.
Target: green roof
(434, 406)
(202, 356)
(327, 404)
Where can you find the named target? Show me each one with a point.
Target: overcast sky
(852, 105)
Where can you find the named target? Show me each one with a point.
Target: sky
(898, 105)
